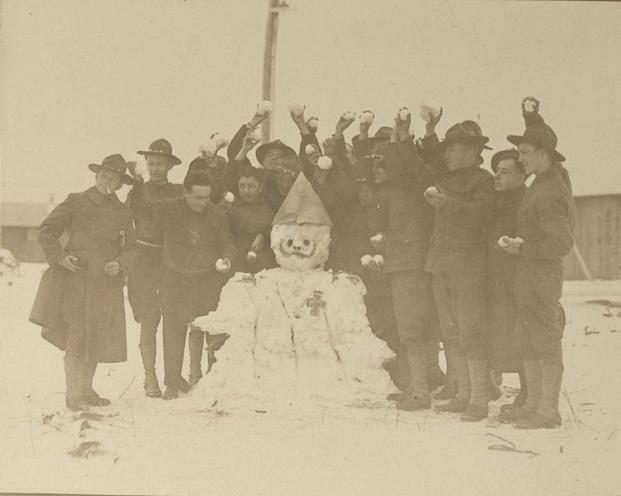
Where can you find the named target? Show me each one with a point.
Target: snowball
(431, 191)
(251, 256)
(378, 238)
(404, 113)
(519, 241)
(429, 109)
(296, 109)
(310, 149)
(208, 149)
(229, 197)
(367, 116)
(220, 140)
(530, 105)
(265, 107)
(222, 266)
(324, 163)
(349, 115)
(366, 260)
(313, 122)
(504, 241)
(379, 260)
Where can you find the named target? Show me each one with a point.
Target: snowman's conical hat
(302, 206)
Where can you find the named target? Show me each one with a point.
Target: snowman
(297, 333)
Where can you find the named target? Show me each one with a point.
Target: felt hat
(115, 163)
(161, 147)
(465, 132)
(263, 149)
(540, 135)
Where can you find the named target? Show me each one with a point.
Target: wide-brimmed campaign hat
(161, 147)
(540, 135)
(382, 135)
(115, 163)
(263, 149)
(465, 132)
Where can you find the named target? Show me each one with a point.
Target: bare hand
(430, 126)
(341, 125)
(257, 119)
(365, 125)
(69, 262)
(328, 145)
(112, 268)
(249, 141)
(436, 199)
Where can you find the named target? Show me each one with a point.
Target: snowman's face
(301, 247)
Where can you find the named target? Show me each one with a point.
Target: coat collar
(510, 196)
(94, 195)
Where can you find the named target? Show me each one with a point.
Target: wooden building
(20, 229)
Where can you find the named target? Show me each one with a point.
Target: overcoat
(100, 229)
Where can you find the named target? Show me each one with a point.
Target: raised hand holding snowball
(328, 145)
(530, 104)
(343, 123)
(430, 125)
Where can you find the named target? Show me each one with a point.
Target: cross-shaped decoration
(316, 303)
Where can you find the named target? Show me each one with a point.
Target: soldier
(146, 275)
(198, 244)
(80, 300)
(544, 237)
(509, 178)
(463, 201)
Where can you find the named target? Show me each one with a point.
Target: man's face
(531, 158)
(198, 197)
(109, 180)
(249, 189)
(508, 175)
(273, 158)
(459, 155)
(158, 167)
(284, 181)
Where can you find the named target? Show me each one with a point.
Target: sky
(82, 79)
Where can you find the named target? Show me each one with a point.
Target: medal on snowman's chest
(316, 303)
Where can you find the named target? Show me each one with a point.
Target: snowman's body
(295, 336)
(297, 332)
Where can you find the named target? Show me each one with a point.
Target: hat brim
(480, 141)
(518, 140)
(173, 160)
(124, 177)
(263, 149)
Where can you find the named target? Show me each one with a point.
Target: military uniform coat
(100, 229)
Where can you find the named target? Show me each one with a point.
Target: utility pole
(269, 63)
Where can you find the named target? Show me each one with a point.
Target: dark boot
(91, 397)
(547, 415)
(74, 398)
(419, 398)
(196, 339)
(170, 393)
(151, 386)
(460, 401)
(520, 399)
(214, 343)
(478, 372)
(533, 376)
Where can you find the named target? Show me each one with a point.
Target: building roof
(23, 214)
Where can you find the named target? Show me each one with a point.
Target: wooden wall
(598, 237)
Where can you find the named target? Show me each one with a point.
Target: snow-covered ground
(147, 446)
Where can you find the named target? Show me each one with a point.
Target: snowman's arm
(236, 309)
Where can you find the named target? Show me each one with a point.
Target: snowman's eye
(290, 243)
(306, 242)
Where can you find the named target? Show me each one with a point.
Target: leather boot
(419, 398)
(547, 415)
(478, 372)
(91, 397)
(520, 399)
(74, 397)
(460, 401)
(449, 389)
(533, 376)
(151, 386)
(196, 339)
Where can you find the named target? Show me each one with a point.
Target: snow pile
(295, 337)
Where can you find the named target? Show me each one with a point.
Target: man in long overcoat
(87, 317)
(146, 275)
